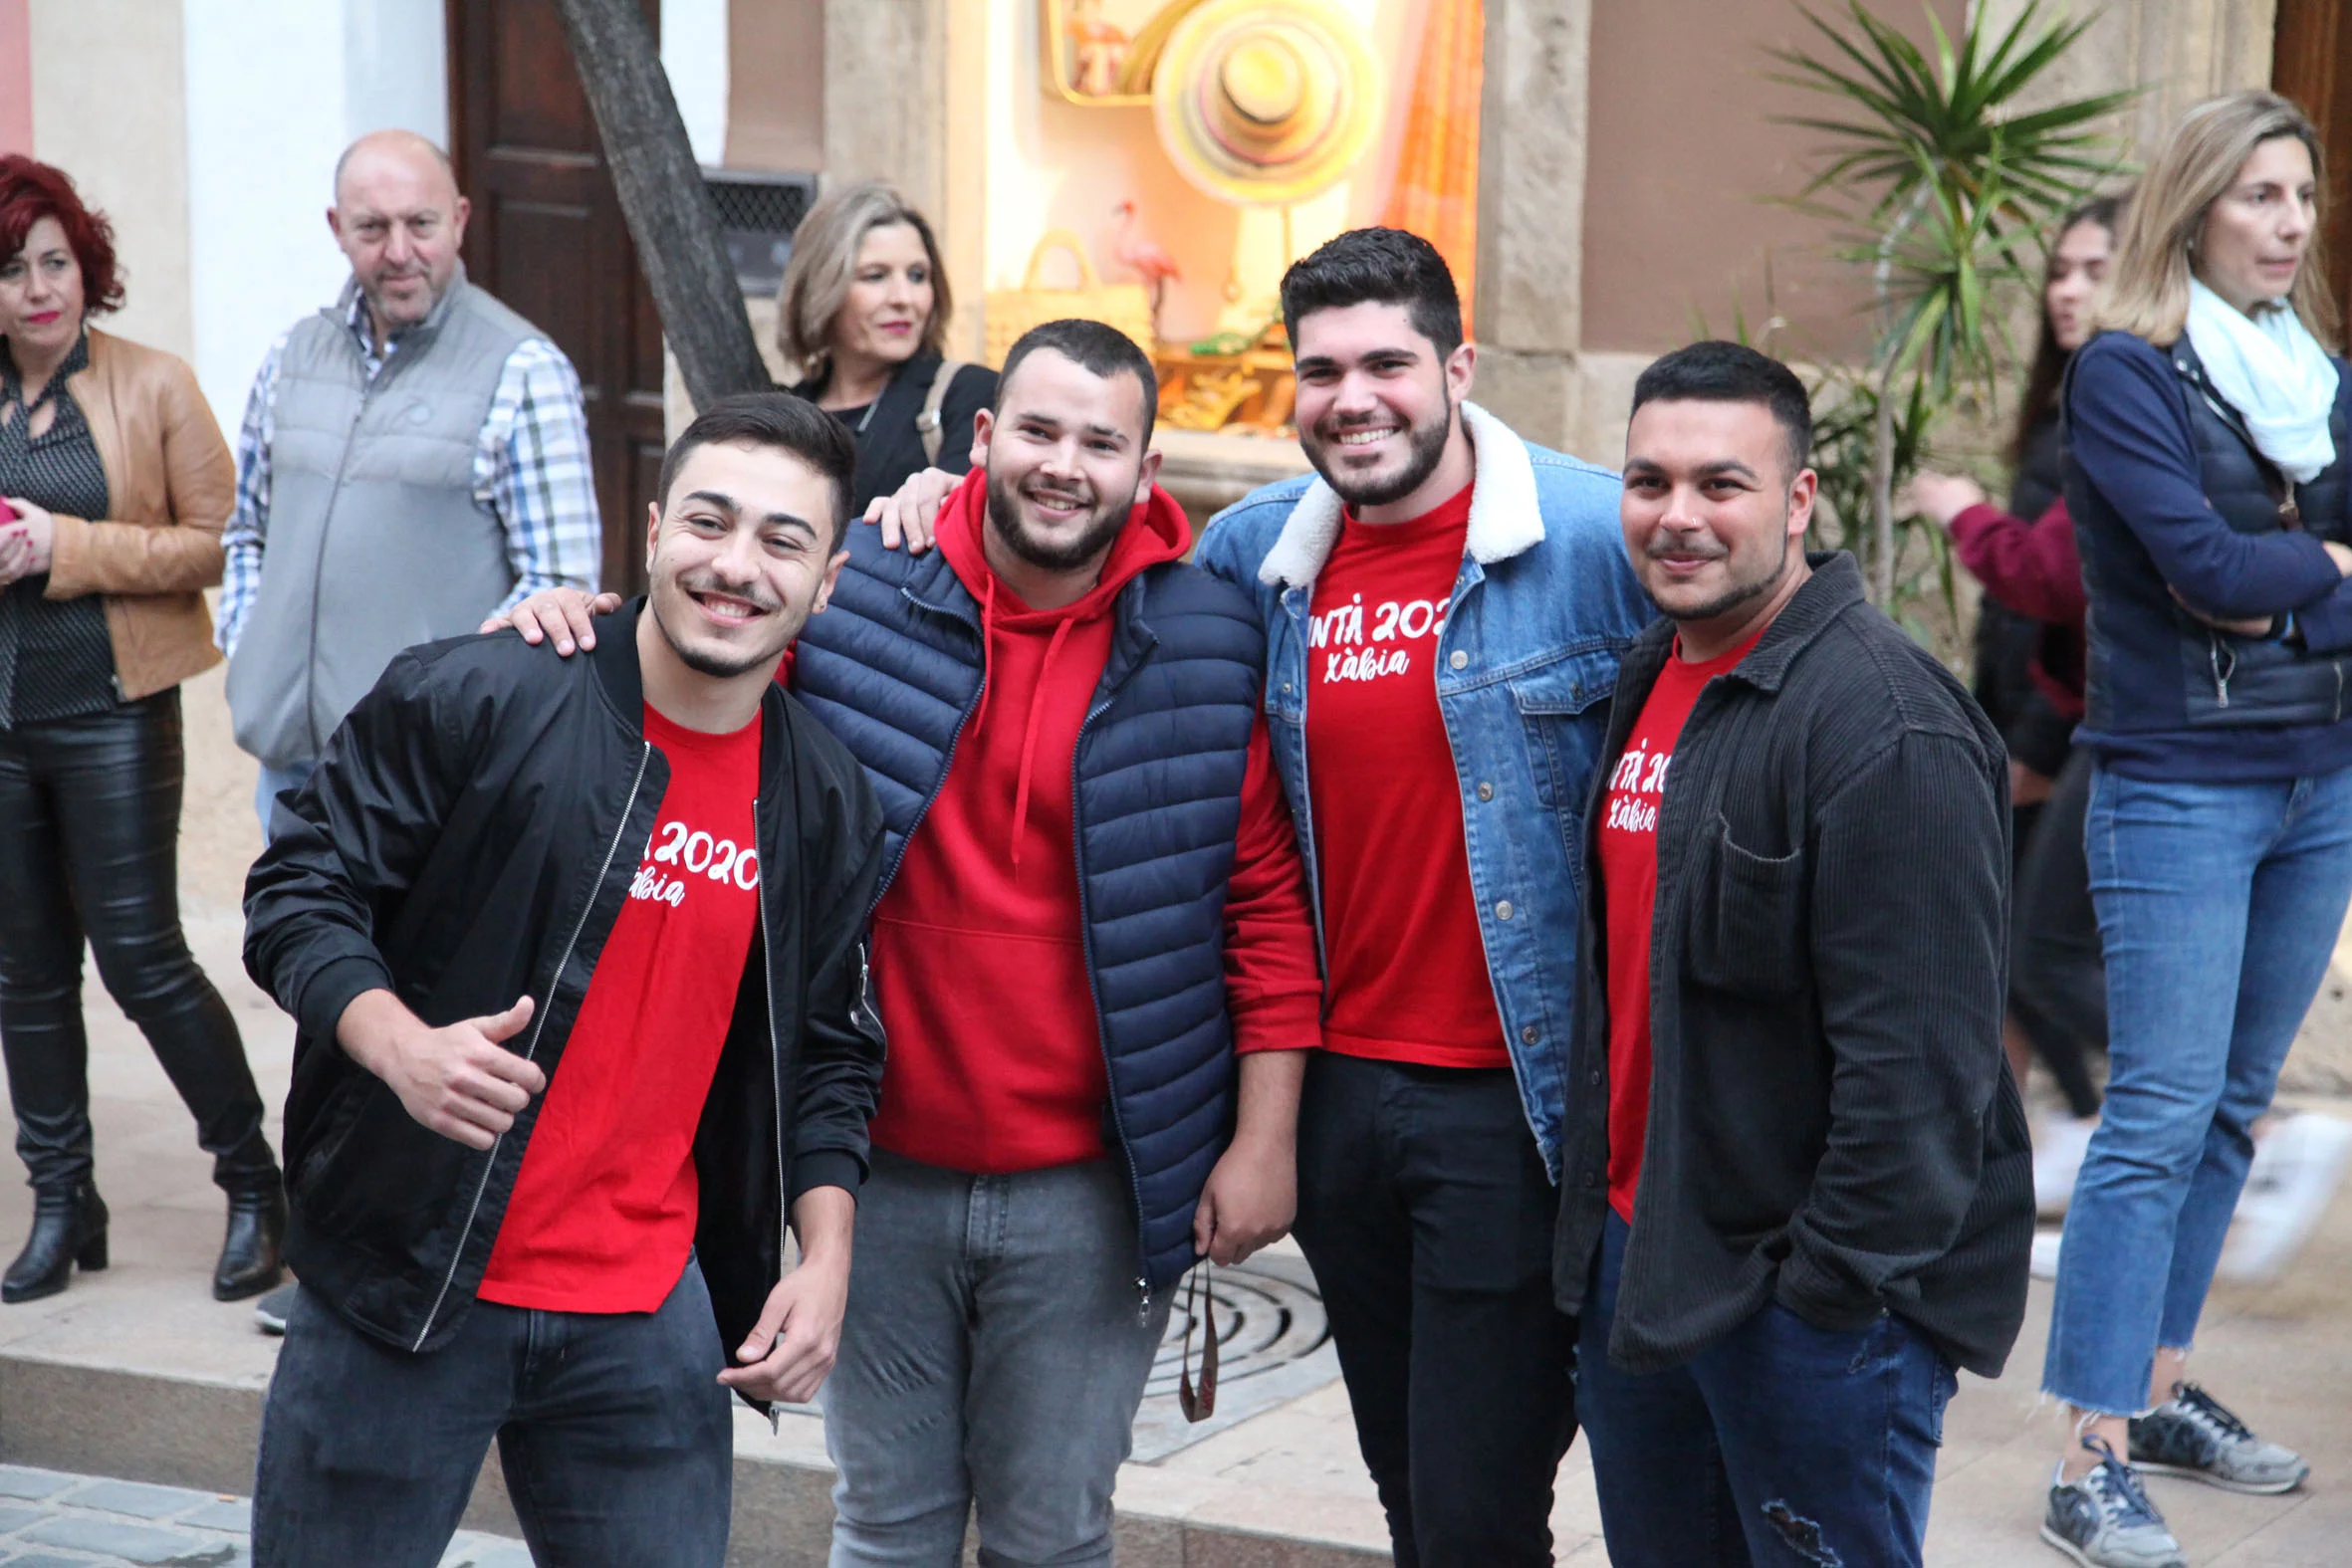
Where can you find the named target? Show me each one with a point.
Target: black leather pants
(89, 849)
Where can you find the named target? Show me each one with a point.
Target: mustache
(1663, 545)
(704, 582)
(1057, 495)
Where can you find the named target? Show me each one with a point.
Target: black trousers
(2057, 973)
(89, 849)
(1426, 1213)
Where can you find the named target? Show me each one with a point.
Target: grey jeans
(994, 1353)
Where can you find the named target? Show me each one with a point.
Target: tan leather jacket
(170, 485)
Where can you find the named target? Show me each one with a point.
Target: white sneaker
(2058, 1147)
(2298, 1167)
(2044, 1263)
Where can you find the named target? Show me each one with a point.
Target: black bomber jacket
(1831, 1121)
(469, 837)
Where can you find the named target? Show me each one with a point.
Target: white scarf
(2270, 369)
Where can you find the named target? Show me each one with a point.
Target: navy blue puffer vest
(2224, 682)
(893, 667)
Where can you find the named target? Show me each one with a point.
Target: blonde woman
(2208, 480)
(113, 486)
(861, 320)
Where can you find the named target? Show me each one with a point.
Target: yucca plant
(1943, 188)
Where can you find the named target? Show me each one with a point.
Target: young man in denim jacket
(1454, 599)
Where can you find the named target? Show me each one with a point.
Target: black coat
(889, 447)
(470, 836)
(1831, 1122)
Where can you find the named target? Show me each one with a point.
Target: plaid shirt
(531, 467)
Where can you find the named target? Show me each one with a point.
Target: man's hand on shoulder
(563, 616)
(461, 1080)
(910, 518)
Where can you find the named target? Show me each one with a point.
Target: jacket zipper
(539, 1027)
(947, 761)
(1118, 1123)
(2214, 655)
(784, 1207)
(319, 561)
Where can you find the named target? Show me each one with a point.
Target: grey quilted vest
(375, 541)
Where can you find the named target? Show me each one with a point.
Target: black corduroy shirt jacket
(1831, 1121)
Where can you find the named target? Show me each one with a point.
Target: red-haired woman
(115, 484)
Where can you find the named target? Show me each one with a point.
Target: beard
(722, 662)
(1046, 554)
(1739, 590)
(1425, 449)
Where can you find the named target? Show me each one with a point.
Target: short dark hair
(1716, 371)
(1380, 267)
(773, 419)
(1093, 347)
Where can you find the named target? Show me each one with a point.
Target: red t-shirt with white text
(1629, 890)
(604, 1211)
(1407, 967)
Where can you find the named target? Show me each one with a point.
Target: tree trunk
(669, 212)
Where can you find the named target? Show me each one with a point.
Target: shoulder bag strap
(927, 422)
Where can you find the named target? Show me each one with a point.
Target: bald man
(413, 458)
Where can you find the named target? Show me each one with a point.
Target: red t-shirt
(603, 1209)
(1407, 966)
(1629, 890)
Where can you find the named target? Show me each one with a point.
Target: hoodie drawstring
(1029, 736)
(1036, 699)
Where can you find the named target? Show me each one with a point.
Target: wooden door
(546, 237)
(2312, 64)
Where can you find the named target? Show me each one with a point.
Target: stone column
(1531, 214)
(898, 74)
(2180, 51)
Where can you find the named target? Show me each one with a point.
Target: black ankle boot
(68, 1228)
(248, 1258)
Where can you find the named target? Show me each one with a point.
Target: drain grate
(1273, 1345)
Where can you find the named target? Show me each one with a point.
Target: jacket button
(1529, 1035)
(1502, 910)
(1458, 659)
(1592, 1180)
(1593, 1078)
(1285, 686)
(1485, 791)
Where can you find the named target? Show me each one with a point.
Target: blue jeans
(2219, 906)
(995, 1351)
(1783, 1444)
(276, 780)
(617, 1440)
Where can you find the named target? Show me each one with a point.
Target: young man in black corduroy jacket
(1798, 1189)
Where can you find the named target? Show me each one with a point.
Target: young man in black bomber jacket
(1805, 1195)
(576, 952)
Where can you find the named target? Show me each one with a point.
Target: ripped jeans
(1781, 1444)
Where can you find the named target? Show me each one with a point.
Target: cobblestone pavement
(49, 1519)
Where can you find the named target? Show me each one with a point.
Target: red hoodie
(996, 1054)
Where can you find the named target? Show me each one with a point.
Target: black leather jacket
(470, 836)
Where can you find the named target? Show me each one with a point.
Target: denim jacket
(1544, 605)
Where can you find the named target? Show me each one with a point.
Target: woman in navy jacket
(2207, 475)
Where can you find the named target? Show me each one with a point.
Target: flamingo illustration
(1145, 256)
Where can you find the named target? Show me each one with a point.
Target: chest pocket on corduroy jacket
(1747, 916)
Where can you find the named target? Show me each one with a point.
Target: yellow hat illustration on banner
(1265, 101)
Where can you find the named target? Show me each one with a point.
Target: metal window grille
(756, 216)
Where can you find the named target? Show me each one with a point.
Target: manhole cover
(1273, 1345)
